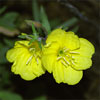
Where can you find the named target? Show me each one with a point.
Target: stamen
(58, 58)
(31, 49)
(67, 56)
(30, 58)
(37, 61)
(72, 57)
(72, 52)
(66, 61)
(47, 45)
(65, 50)
(72, 62)
(64, 64)
(75, 49)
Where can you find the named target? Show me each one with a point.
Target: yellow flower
(66, 55)
(26, 60)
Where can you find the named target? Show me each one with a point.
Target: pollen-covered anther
(30, 58)
(72, 62)
(67, 56)
(47, 45)
(31, 49)
(64, 63)
(58, 58)
(65, 50)
(33, 55)
(73, 52)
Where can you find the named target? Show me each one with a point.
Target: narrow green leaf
(22, 36)
(35, 10)
(69, 23)
(32, 40)
(35, 33)
(39, 43)
(55, 22)
(28, 37)
(2, 9)
(45, 21)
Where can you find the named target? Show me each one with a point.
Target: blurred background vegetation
(80, 16)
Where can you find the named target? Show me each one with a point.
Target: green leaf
(25, 36)
(33, 29)
(8, 20)
(45, 21)
(55, 22)
(2, 9)
(32, 40)
(35, 10)
(69, 23)
(39, 43)
(35, 33)
(6, 95)
(22, 36)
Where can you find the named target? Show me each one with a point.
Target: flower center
(61, 52)
(66, 56)
(33, 54)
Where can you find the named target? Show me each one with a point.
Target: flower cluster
(65, 55)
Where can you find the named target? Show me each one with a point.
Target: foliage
(6, 95)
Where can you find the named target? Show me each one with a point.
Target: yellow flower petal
(32, 70)
(11, 56)
(82, 63)
(50, 48)
(13, 53)
(58, 72)
(48, 62)
(68, 39)
(27, 76)
(71, 41)
(72, 76)
(66, 74)
(86, 48)
(56, 36)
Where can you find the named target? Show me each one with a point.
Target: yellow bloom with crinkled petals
(66, 56)
(26, 60)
